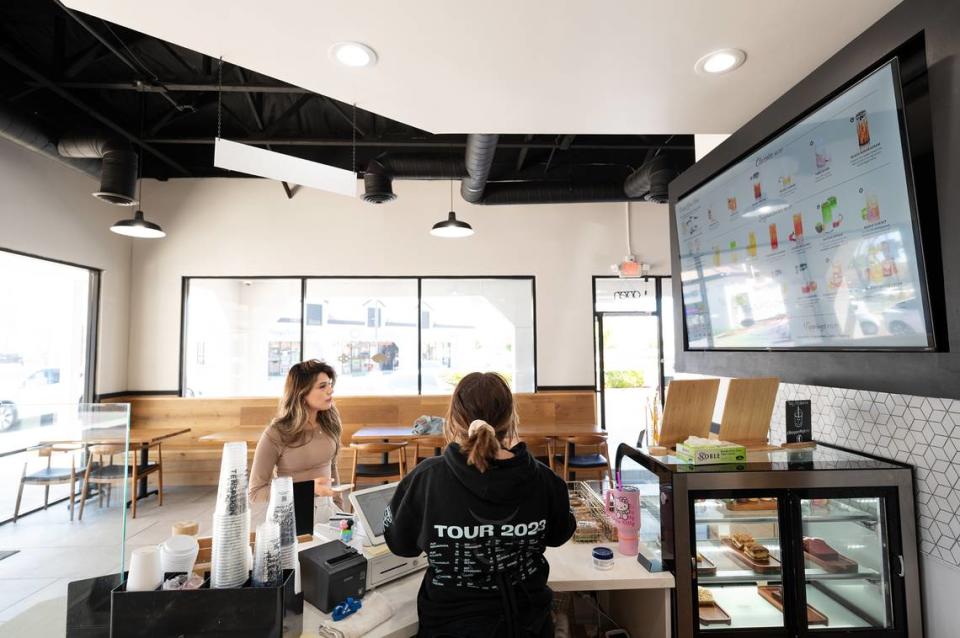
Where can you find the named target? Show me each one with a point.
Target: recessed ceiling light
(721, 61)
(353, 54)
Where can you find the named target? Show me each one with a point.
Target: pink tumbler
(623, 507)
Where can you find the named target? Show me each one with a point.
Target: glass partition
(76, 455)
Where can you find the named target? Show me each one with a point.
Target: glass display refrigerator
(810, 542)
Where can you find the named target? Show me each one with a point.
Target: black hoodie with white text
(484, 534)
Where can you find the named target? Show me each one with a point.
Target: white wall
(46, 210)
(249, 227)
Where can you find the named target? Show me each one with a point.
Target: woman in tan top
(303, 440)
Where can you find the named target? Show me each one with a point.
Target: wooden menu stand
(688, 410)
(747, 412)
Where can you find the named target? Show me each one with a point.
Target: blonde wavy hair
(482, 415)
(291, 422)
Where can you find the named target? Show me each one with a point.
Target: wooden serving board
(688, 410)
(814, 616)
(771, 567)
(747, 410)
(839, 565)
(706, 568)
(752, 506)
(713, 615)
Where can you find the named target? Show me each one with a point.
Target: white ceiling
(521, 66)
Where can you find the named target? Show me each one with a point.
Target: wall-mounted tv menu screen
(811, 241)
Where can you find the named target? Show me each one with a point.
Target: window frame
(185, 296)
(93, 319)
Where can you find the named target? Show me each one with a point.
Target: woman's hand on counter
(321, 487)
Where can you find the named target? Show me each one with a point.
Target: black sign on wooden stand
(799, 428)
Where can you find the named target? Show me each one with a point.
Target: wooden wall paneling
(190, 461)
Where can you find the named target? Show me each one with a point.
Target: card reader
(383, 565)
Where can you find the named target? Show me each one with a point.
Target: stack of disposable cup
(267, 567)
(231, 520)
(280, 510)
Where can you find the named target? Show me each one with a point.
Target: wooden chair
(579, 463)
(110, 474)
(432, 445)
(381, 472)
(51, 475)
(541, 448)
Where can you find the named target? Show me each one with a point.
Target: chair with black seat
(109, 473)
(540, 447)
(50, 475)
(381, 472)
(432, 446)
(577, 462)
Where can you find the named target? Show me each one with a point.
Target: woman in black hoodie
(484, 514)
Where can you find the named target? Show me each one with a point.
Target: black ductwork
(500, 193)
(21, 130)
(650, 182)
(417, 167)
(118, 169)
(377, 184)
(478, 159)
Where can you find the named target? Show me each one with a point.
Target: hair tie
(475, 427)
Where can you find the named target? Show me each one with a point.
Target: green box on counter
(711, 454)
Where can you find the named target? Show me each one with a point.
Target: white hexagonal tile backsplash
(921, 431)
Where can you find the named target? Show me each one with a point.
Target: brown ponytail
(481, 416)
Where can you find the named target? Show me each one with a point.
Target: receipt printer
(331, 572)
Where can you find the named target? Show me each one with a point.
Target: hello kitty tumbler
(623, 508)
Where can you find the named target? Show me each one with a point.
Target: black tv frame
(922, 34)
(918, 239)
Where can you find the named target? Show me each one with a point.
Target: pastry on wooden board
(705, 597)
(819, 548)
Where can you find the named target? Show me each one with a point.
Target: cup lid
(603, 553)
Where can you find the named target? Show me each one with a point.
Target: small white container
(179, 553)
(602, 557)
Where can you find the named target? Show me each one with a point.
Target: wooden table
(244, 433)
(145, 438)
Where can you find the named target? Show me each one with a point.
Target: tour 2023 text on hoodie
(484, 534)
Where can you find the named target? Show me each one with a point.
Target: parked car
(905, 317)
(32, 396)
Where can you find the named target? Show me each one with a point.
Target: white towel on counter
(376, 609)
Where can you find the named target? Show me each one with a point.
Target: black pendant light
(451, 227)
(138, 226)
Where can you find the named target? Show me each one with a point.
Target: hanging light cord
(219, 96)
(451, 195)
(140, 159)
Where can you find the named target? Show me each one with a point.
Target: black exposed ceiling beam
(187, 87)
(10, 59)
(293, 109)
(85, 58)
(176, 56)
(342, 113)
(300, 141)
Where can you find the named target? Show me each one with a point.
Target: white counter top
(571, 569)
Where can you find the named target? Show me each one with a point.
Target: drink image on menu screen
(863, 129)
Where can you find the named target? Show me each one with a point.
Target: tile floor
(54, 551)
